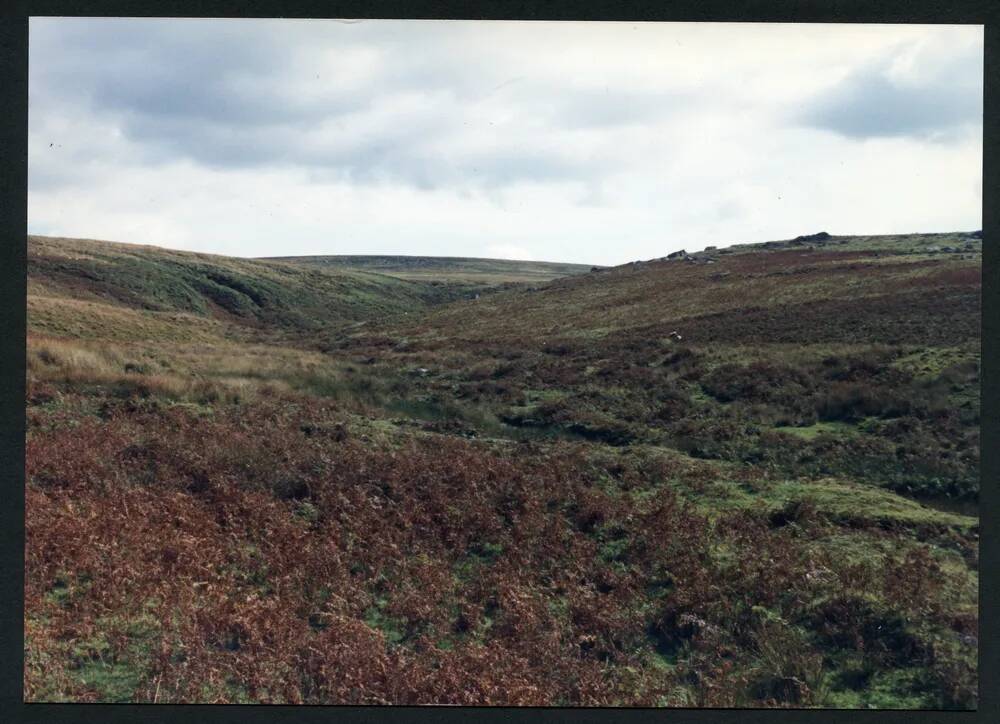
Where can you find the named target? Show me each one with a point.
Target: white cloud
(589, 142)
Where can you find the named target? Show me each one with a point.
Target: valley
(744, 476)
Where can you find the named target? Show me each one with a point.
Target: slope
(713, 294)
(147, 292)
(817, 361)
(455, 270)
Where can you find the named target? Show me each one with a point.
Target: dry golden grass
(65, 359)
(68, 317)
(196, 372)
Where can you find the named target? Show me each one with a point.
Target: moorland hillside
(741, 477)
(85, 288)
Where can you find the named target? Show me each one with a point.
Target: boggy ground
(536, 497)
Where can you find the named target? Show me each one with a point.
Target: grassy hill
(456, 270)
(274, 481)
(143, 291)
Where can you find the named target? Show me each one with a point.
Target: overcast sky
(591, 142)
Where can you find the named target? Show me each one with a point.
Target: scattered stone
(690, 625)
(819, 574)
(690, 620)
(678, 255)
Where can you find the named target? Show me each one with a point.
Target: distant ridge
(471, 270)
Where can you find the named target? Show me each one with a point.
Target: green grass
(116, 676)
(929, 362)
(809, 432)
(899, 689)
(393, 628)
(848, 501)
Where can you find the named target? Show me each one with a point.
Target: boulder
(821, 236)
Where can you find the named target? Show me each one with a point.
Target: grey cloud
(193, 70)
(219, 93)
(396, 155)
(379, 162)
(50, 174)
(870, 104)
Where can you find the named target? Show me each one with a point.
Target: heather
(535, 496)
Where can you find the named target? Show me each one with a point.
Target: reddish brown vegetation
(283, 567)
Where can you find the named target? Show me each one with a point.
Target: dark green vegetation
(540, 496)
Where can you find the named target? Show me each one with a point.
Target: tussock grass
(146, 372)
(72, 361)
